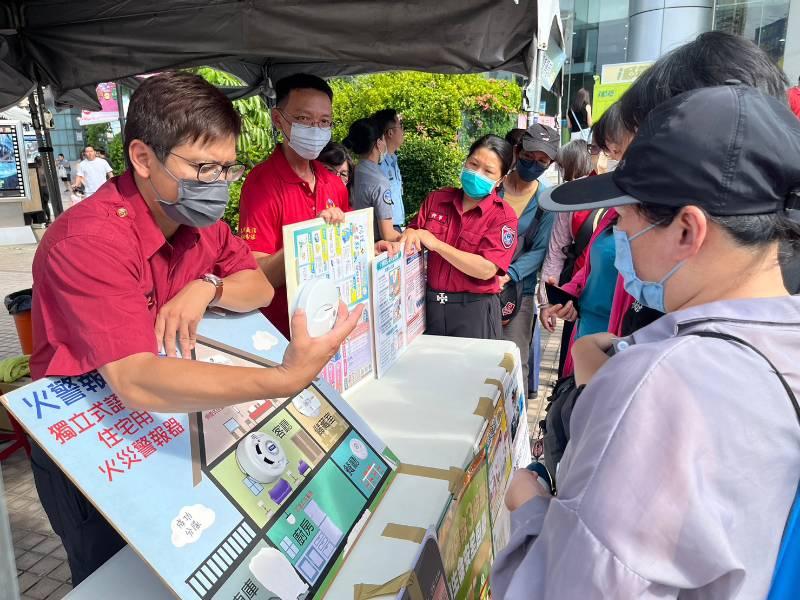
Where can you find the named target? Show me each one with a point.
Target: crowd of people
(675, 231)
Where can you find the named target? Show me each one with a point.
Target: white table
(423, 409)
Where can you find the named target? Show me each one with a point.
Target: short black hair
(61, 154)
(712, 59)
(300, 81)
(175, 108)
(609, 128)
(385, 119)
(363, 135)
(499, 146)
(514, 137)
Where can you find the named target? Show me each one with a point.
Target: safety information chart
(398, 302)
(258, 500)
(341, 253)
(414, 281)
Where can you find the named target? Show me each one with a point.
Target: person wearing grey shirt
(684, 455)
(371, 188)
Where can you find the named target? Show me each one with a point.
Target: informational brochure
(398, 301)
(342, 253)
(256, 500)
(429, 576)
(465, 536)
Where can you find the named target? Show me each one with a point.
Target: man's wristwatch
(217, 283)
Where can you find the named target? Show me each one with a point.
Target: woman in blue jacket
(521, 191)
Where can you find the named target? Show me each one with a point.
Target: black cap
(541, 138)
(730, 150)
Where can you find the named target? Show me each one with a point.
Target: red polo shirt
(489, 230)
(104, 269)
(274, 195)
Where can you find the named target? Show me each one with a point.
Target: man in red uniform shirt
(794, 98)
(123, 274)
(291, 186)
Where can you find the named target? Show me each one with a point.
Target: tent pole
(120, 109)
(36, 102)
(533, 80)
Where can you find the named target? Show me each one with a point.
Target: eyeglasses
(343, 175)
(211, 172)
(323, 123)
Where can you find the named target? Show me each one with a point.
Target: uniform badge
(507, 235)
(387, 197)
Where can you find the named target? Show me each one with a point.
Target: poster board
(182, 491)
(398, 305)
(342, 253)
(429, 572)
(14, 180)
(616, 79)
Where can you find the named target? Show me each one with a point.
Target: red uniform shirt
(274, 195)
(104, 269)
(489, 230)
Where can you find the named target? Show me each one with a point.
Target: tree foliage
(442, 115)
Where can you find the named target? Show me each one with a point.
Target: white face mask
(308, 141)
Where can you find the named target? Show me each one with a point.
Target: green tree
(255, 142)
(442, 115)
(96, 136)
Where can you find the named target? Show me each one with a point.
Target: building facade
(599, 32)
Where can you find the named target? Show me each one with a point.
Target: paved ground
(43, 573)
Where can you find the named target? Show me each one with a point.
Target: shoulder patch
(387, 197)
(507, 236)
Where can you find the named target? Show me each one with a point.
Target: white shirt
(93, 173)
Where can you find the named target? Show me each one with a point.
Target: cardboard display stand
(429, 420)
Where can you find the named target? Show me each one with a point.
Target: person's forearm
(388, 232)
(560, 237)
(272, 267)
(160, 384)
(79, 180)
(466, 262)
(245, 291)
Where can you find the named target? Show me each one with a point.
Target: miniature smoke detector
(320, 301)
(261, 457)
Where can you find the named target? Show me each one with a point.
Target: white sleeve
(80, 172)
(108, 167)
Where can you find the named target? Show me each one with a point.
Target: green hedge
(443, 114)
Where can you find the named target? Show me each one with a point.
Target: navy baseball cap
(730, 150)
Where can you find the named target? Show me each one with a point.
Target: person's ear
(142, 158)
(691, 231)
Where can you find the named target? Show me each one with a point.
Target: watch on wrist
(218, 285)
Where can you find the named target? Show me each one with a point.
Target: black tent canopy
(71, 45)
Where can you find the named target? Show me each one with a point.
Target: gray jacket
(682, 466)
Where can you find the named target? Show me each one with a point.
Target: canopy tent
(72, 45)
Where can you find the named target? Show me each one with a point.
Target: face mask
(198, 205)
(611, 164)
(529, 170)
(647, 293)
(476, 185)
(308, 141)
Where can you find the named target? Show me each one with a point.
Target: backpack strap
(732, 338)
(585, 233)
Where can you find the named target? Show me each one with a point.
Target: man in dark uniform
(132, 269)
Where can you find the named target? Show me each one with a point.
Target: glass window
(762, 21)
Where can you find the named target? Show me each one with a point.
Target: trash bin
(18, 305)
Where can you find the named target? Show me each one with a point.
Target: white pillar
(658, 26)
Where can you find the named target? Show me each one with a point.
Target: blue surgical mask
(476, 185)
(647, 293)
(529, 170)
